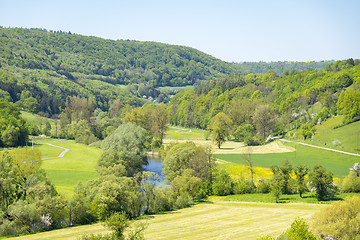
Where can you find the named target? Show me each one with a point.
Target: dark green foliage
(13, 130)
(300, 172)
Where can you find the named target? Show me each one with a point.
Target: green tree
(160, 119)
(264, 120)
(300, 173)
(220, 126)
(299, 230)
(322, 182)
(129, 141)
(277, 183)
(13, 130)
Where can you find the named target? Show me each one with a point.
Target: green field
(77, 165)
(337, 163)
(215, 219)
(182, 133)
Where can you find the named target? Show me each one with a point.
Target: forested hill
(39, 69)
(280, 67)
(117, 62)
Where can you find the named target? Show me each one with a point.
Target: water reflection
(156, 166)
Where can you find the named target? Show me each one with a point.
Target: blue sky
(254, 30)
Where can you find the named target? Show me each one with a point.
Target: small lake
(156, 166)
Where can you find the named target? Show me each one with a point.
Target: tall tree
(160, 119)
(264, 119)
(220, 126)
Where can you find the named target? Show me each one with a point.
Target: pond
(156, 166)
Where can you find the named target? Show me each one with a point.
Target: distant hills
(48, 66)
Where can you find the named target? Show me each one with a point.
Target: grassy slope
(349, 135)
(77, 165)
(216, 219)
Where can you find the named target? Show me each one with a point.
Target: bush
(184, 200)
(242, 186)
(222, 184)
(340, 219)
(351, 183)
(252, 141)
(263, 186)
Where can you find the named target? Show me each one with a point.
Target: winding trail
(324, 148)
(62, 154)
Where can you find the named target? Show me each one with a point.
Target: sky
(233, 31)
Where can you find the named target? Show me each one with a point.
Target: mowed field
(337, 163)
(215, 219)
(78, 165)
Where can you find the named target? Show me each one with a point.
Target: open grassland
(77, 165)
(181, 133)
(215, 219)
(337, 163)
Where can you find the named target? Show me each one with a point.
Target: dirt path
(62, 154)
(324, 148)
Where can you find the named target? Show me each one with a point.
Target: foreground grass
(285, 198)
(215, 219)
(78, 165)
(337, 163)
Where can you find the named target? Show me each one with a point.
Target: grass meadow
(215, 219)
(77, 165)
(337, 163)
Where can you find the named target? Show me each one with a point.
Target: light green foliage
(341, 219)
(179, 157)
(27, 196)
(128, 141)
(299, 230)
(322, 182)
(349, 105)
(220, 127)
(351, 183)
(119, 224)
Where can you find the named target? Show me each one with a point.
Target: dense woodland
(47, 66)
(280, 67)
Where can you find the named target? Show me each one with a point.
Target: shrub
(263, 186)
(242, 186)
(351, 183)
